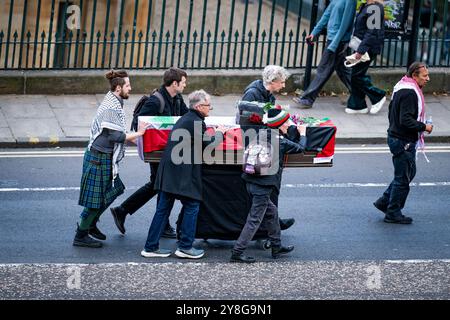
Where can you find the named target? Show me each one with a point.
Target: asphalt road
(343, 248)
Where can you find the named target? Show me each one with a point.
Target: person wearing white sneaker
(158, 253)
(353, 111)
(179, 177)
(377, 106)
(371, 42)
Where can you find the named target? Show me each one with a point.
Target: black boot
(95, 231)
(169, 232)
(380, 205)
(119, 216)
(241, 258)
(286, 223)
(277, 252)
(82, 239)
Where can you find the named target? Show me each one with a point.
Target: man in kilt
(100, 182)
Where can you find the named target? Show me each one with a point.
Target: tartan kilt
(97, 190)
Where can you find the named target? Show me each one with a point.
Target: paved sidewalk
(64, 120)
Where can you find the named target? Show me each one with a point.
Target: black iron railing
(191, 34)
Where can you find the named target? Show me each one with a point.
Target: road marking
(362, 185)
(199, 264)
(413, 261)
(134, 153)
(289, 186)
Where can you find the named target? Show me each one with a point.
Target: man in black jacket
(174, 82)
(273, 80)
(260, 187)
(180, 177)
(406, 127)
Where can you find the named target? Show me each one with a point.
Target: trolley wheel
(267, 245)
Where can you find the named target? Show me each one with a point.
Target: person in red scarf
(405, 135)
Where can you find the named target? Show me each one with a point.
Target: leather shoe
(119, 216)
(241, 258)
(96, 233)
(169, 232)
(400, 220)
(286, 223)
(380, 207)
(277, 252)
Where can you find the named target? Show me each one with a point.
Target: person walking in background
(174, 82)
(100, 181)
(372, 37)
(405, 135)
(338, 19)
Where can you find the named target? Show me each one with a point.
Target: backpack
(140, 104)
(257, 158)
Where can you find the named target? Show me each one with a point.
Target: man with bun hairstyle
(100, 181)
(260, 187)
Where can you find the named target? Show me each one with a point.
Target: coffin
(319, 151)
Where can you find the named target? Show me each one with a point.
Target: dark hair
(414, 68)
(116, 78)
(173, 74)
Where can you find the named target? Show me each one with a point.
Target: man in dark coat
(174, 82)
(274, 79)
(405, 134)
(180, 177)
(260, 187)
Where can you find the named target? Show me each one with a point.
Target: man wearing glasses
(179, 177)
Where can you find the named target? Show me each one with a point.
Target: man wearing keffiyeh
(405, 136)
(100, 181)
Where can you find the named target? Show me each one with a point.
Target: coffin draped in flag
(319, 149)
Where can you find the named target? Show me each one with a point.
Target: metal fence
(191, 34)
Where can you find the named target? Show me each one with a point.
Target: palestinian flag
(156, 136)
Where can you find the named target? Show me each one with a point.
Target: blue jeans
(404, 160)
(188, 225)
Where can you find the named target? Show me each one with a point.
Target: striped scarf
(410, 83)
(110, 115)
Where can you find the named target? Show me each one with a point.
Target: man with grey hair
(180, 177)
(273, 80)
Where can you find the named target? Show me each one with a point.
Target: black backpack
(140, 104)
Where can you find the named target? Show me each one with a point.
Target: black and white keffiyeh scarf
(110, 115)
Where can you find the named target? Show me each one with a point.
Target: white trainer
(377, 106)
(352, 111)
(160, 253)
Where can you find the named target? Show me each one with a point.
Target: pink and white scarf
(409, 83)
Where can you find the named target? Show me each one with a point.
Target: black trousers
(362, 86)
(329, 62)
(143, 195)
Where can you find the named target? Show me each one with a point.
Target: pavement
(64, 120)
